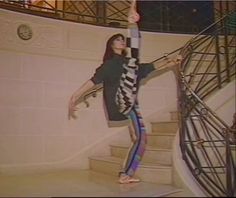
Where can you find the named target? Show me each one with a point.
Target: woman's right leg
(138, 137)
(124, 178)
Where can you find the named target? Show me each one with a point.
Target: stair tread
(148, 148)
(161, 134)
(117, 160)
(165, 122)
(142, 189)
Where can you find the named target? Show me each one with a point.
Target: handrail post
(218, 50)
(228, 159)
(101, 12)
(181, 105)
(56, 7)
(218, 64)
(63, 8)
(226, 53)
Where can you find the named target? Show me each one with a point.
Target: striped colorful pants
(138, 145)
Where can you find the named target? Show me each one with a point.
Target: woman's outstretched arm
(168, 63)
(76, 95)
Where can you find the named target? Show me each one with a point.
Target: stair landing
(77, 183)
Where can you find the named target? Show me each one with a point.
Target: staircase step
(77, 183)
(151, 155)
(110, 185)
(147, 172)
(183, 193)
(165, 127)
(160, 140)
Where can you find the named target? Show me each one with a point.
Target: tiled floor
(76, 184)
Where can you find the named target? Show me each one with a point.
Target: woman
(120, 75)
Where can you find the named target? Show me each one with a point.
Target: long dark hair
(109, 53)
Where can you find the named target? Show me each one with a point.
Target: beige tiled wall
(37, 78)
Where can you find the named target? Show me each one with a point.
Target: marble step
(77, 183)
(165, 127)
(151, 155)
(183, 193)
(160, 140)
(142, 189)
(147, 172)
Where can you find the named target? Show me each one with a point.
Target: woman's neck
(117, 51)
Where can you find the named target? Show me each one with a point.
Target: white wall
(223, 103)
(37, 78)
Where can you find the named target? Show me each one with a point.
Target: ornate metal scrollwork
(192, 75)
(204, 112)
(197, 171)
(199, 143)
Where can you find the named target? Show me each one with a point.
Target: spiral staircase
(207, 142)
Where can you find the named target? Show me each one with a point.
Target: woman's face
(118, 44)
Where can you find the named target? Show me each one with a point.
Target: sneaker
(127, 179)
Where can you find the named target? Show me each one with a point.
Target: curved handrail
(90, 93)
(204, 104)
(207, 28)
(204, 30)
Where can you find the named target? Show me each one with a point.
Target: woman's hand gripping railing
(169, 61)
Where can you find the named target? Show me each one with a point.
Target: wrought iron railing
(158, 16)
(207, 143)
